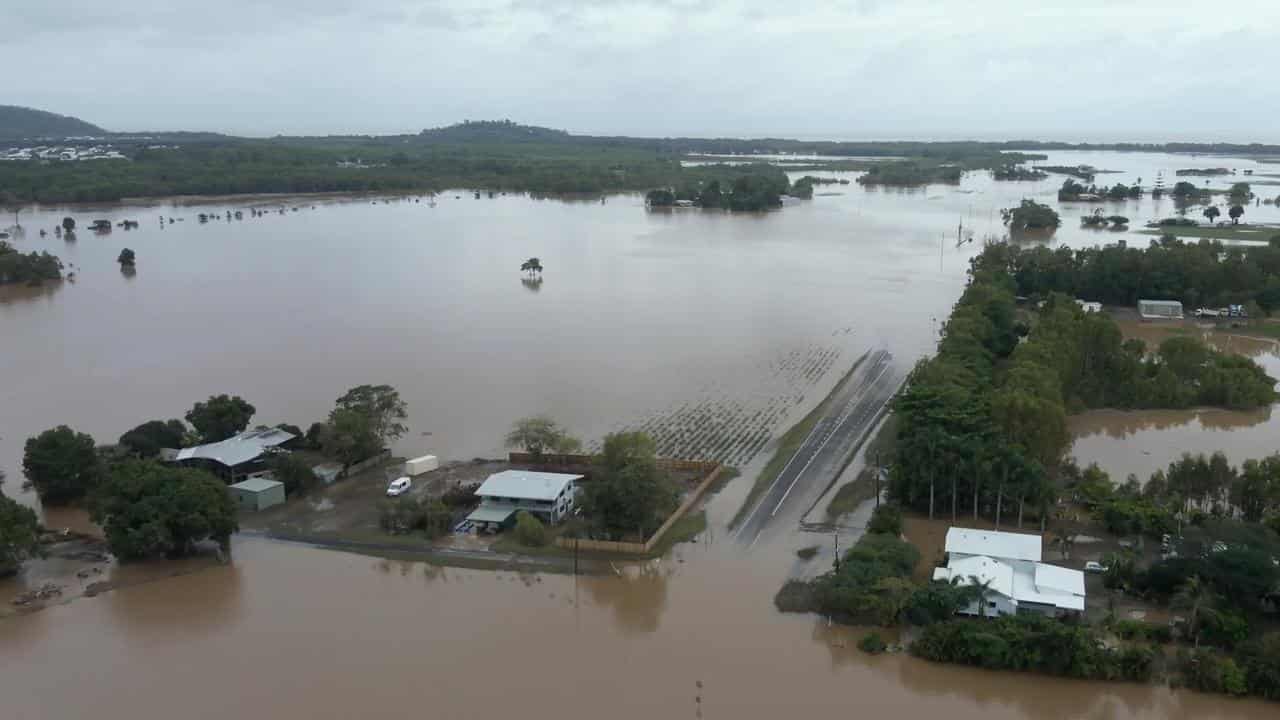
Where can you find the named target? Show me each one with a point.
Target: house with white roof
(550, 497)
(1009, 566)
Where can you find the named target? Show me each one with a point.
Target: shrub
(807, 553)
(796, 596)
(1206, 671)
(461, 496)
(872, 643)
(886, 519)
(529, 531)
(1139, 630)
(295, 473)
(399, 516)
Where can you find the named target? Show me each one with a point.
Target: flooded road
(713, 331)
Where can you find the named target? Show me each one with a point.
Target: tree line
(982, 424)
(28, 268)
(1201, 273)
(754, 188)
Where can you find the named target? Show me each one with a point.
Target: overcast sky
(1158, 70)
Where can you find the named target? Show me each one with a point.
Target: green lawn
(1235, 232)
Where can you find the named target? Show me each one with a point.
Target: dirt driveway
(348, 508)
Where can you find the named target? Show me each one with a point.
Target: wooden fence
(631, 548)
(365, 464)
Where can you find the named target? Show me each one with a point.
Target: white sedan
(1094, 567)
(399, 486)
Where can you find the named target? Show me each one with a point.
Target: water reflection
(17, 294)
(532, 284)
(209, 596)
(636, 595)
(1120, 424)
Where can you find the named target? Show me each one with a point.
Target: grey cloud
(1146, 69)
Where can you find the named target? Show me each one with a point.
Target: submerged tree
(540, 434)
(62, 465)
(1211, 213)
(19, 533)
(151, 510)
(1236, 212)
(127, 258)
(532, 266)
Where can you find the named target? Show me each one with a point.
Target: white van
(399, 486)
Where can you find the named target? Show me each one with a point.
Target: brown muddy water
(713, 331)
(1141, 442)
(290, 632)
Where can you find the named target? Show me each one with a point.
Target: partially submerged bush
(872, 643)
(529, 531)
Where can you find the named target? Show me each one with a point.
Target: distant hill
(493, 131)
(21, 122)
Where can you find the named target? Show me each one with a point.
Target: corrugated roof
(526, 485)
(997, 575)
(491, 512)
(1012, 546)
(1051, 578)
(256, 485)
(1031, 583)
(237, 449)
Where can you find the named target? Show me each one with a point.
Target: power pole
(877, 478)
(835, 536)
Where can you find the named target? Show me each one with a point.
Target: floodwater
(289, 632)
(1141, 442)
(713, 331)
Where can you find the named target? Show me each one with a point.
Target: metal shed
(257, 493)
(1160, 309)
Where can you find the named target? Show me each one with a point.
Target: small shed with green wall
(257, 493)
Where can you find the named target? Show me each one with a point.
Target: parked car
(399, 486)
(1094, 566)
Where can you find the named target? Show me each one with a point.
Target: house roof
(1004, 545)
(1052, 578)
(236, 449)
(491, 512)
(1022, 582)
(526, 485)
(996, 575)
(256, 485)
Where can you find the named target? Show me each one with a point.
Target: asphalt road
(823, 454)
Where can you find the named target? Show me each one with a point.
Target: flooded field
(1143, 441)
(712, 331)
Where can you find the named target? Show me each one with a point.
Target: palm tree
(1196, 596)
(979, 591)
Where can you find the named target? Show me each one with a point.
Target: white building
(1160, 309)
(550, 497)
(1009, 565)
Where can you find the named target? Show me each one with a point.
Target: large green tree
(540, 434)
(19, 533)
(220, 417)
(628, 494)
(62, 465)
(147, 439)
(148, 509)
(381, 406)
